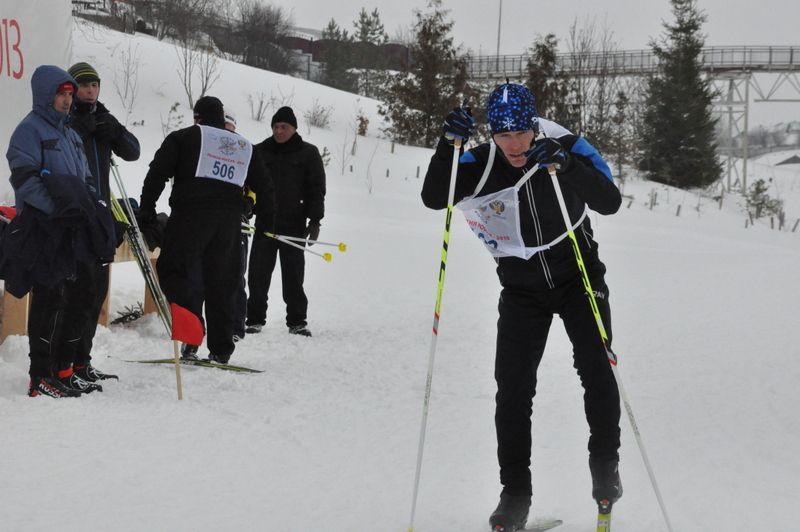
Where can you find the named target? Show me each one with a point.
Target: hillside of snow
(325, 440)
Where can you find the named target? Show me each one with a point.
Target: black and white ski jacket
(586, 182)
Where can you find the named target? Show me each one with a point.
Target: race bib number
(224, 156)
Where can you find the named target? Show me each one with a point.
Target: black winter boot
(606, 484)
(92, 374)
(511, 513)
(51, 387)
(189, 352)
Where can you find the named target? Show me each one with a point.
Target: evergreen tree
(416, 102)
(677, 138)
(369, 35)
(369, 28)
(338, 58)
(551, 88)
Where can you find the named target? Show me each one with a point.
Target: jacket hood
(44, 82)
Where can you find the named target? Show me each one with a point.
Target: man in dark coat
(299, 174)
(50, 176)
(101, 134)
(211, 166)
(511, 205)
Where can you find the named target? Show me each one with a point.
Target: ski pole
(341, 245)
(435, 331)
(612, 358)
(326, 256)
(136, 242)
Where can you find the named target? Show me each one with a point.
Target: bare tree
(590, 48)
(126, 78)
(257, 33)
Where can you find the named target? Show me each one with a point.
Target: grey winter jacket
(42, 141)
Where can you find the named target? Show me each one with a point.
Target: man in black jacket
(210, 166)
(512, 207)
(101, 134)
(299, 174)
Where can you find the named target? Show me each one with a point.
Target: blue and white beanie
(511, 107)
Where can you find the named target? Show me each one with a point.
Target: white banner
(32, 33)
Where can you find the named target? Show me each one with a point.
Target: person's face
(282, 132)
(62, 102)
(88, 91)
(514, 145)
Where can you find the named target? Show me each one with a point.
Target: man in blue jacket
(49, 174)
(508, 198)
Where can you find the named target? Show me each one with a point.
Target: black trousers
(210, 239)
(525, 319)
(62, 320)
(263, 257)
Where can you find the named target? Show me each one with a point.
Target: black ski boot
(606, 484)
(301, 330)
(218, 359)
(51, 387)
(92, 374)
(79, 385)
(511, 513)
(189, 352)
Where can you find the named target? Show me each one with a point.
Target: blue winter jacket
(42, 141)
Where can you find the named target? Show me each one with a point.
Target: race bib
(224, 156)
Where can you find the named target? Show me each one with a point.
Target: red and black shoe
(51, 387)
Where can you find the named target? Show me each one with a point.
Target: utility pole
(499, 20)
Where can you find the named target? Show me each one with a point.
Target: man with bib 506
(509, 201)
(210, 166)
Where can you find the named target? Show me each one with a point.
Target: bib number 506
(227, 171)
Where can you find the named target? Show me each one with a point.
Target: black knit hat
(83, 73)
(286, 115)
(209, 111)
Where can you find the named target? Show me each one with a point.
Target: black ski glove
(549, 152)
(312, 232)
(459, 124)
(107, 127)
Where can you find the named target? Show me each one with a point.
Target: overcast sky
(633, 22)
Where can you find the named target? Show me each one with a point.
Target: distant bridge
(732, 71)
(715, 59)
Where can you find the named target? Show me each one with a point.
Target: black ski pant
(263, 257)
(240, 304)
(59, 318)
(96, 296)
(525, 319)
(210, 239)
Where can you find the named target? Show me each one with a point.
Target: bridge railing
(638, 62)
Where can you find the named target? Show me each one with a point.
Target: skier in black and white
(211, 166)
(515, 213)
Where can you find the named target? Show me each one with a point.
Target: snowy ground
(326, 438)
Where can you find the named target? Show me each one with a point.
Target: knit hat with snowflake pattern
(511, 107)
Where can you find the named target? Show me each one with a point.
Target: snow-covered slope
(326, 438)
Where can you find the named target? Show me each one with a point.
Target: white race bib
(224, 156)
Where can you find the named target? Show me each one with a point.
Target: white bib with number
(495, 218)
(224, 156)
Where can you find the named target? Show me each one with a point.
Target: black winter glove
(550, 152)
(312, 232)
(459, 124)
(107, 127)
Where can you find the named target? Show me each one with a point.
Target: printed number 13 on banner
(9, 47)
